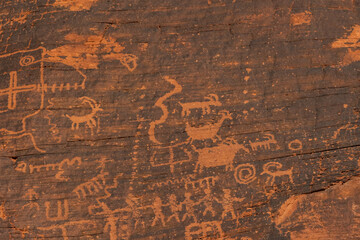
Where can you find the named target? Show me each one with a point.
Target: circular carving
(27, 60)
(245, 173)
(295, 145)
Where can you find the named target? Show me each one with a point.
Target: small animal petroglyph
(221, 155)
(273, 170)
(266, 144)
(212, 100)
(88, 119)
(245, 173)
(208, 131)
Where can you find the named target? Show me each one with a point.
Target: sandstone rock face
(221, 119)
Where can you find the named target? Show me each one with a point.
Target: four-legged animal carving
(209, 131)
(265, 144)
(273, 169)
(212, 100)
(221, 155)
(88, 119)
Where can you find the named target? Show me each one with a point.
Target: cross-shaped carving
(14, 89)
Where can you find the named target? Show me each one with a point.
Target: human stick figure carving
(207, 200)
(175, 208)
(31, 196)
(212, 100)
(190, 208)
(88, 119)
(133, 204)
(273, 169)
(227, 204)
(157, 209)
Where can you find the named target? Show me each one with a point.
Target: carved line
(160, 103)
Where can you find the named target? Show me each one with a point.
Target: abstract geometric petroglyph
(208, 119)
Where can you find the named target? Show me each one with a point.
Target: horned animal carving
(88, 119)
(273, 169)
(212, 100)
(221, 155)
(208, 131)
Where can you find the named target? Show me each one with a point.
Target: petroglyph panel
(221, 119)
